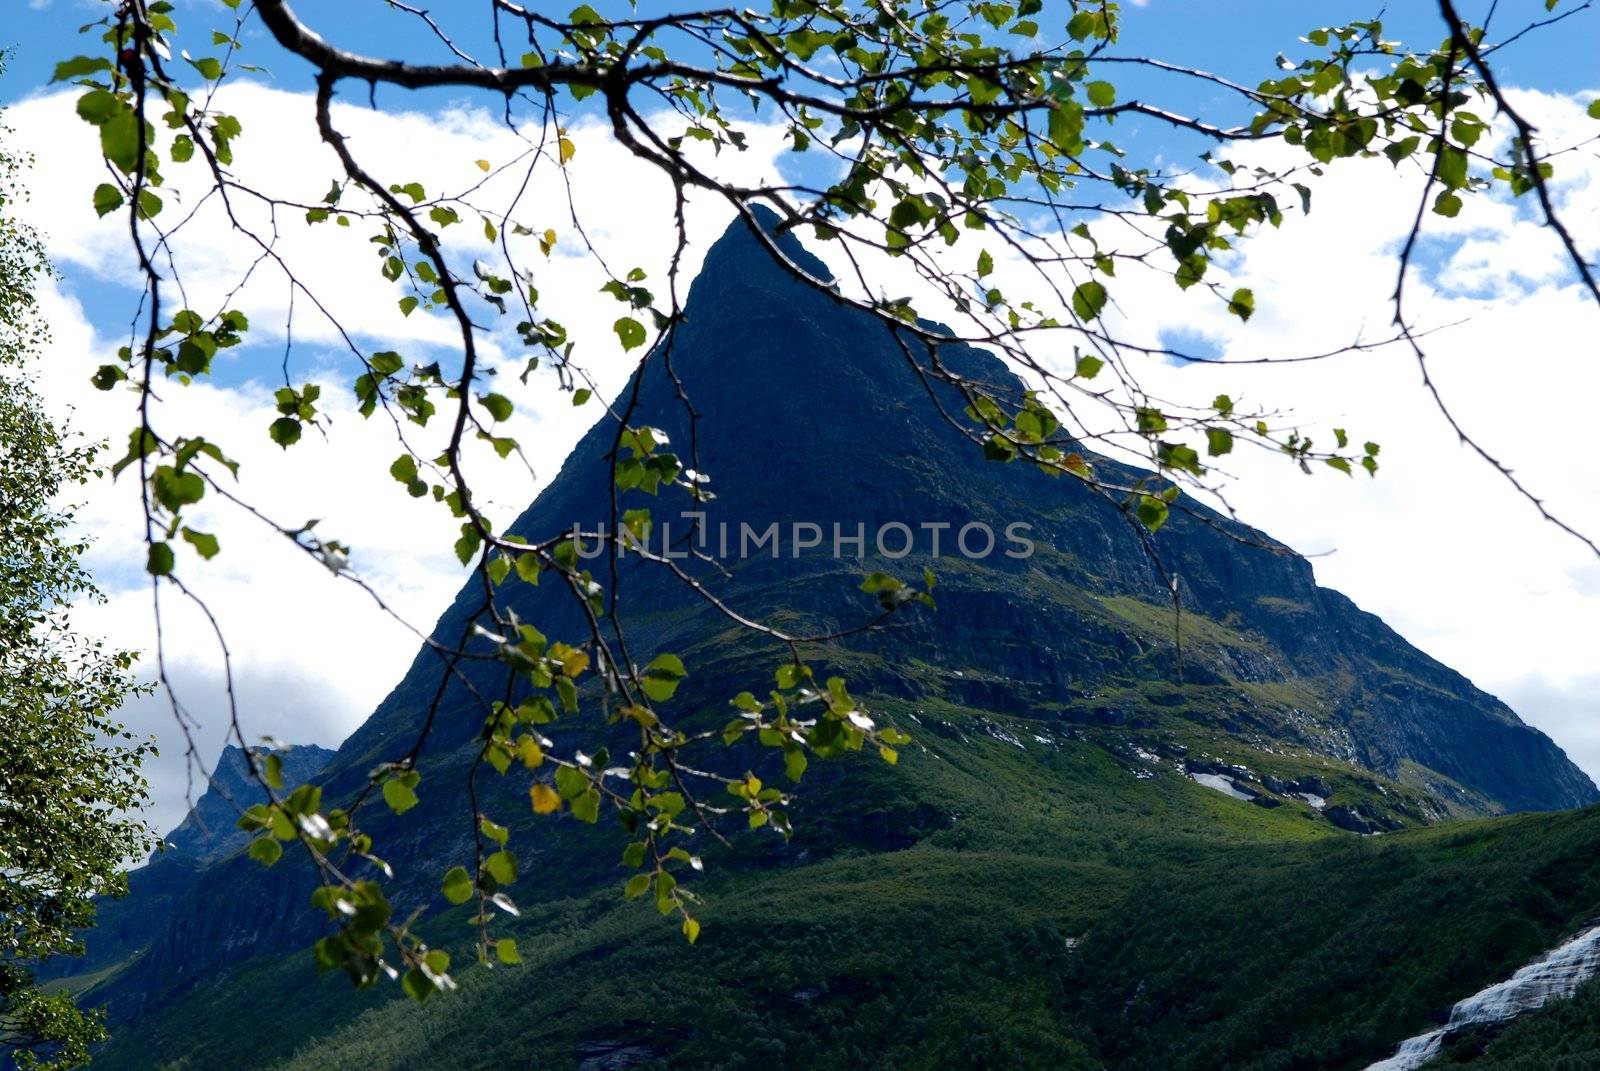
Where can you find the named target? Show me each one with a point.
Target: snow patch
(1222, 784)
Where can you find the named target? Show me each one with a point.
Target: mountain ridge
(739, 274)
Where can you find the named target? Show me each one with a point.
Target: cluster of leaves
(70, 787)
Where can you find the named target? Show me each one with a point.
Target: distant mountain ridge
(209, 831)
(208, 834)
(809, 414)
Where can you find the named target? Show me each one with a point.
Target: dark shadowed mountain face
(808, 414)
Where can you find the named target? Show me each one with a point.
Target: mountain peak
(741, 254)
(208, 831)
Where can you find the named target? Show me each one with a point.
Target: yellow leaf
(568, 150)
(691, 930)
(890, 755)
(643, 715)
(545, 800)
(573, 661)
(483, 165)
(529, 751)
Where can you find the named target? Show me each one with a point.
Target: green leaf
(1594, 109)
(586, 808)
(119, 139)
(1101, 94)
(265, 850)
(502, 866)
(1219, 441)
(285, 431)
(108, 376)
(581, 395)
(416, 985)
(1402, 149)
(1089, 367)
(505, 950)
(99, 105)
(404, 468)
(1243, 303)
(570, 782)
(630, 331)
(1452, 167)
(1152, 512)
(458, 884)
(107, 199)
(498, 405)
(79, 67)
(1088, 300)
(160, 559)
(398, 795)
(662, 676)
(528, 567)
(209, 67)
(1150, 421)
(203, 542)
(1447, 205)
(985, 263)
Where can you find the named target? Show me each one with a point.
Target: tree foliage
(70, 789)
(952, 136)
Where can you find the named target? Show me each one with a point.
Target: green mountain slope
(1072, 914)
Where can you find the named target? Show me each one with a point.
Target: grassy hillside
(1030, 897)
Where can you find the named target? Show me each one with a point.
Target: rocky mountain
(1072, 773)
(813, 416)
(125, 927)
(209, 831)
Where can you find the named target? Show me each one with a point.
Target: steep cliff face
(809, 414)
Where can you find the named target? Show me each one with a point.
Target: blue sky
(1237, 39)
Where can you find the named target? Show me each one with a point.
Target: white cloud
(1437, 545)
(312, 654)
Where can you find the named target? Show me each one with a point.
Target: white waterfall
(1553, 976)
